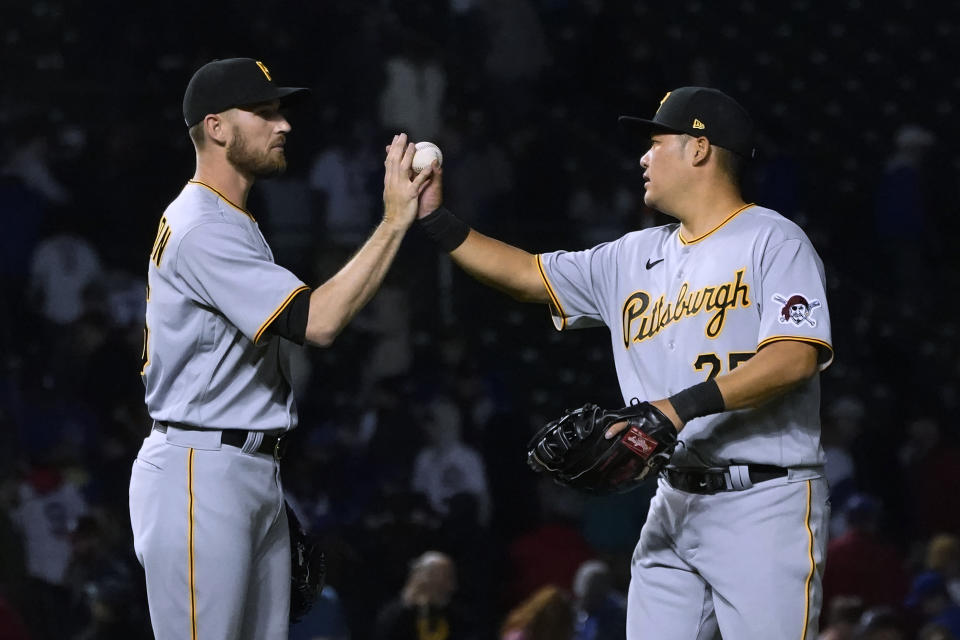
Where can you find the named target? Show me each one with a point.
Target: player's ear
(215, 127)
(701, 150)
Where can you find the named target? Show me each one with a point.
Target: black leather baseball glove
(307, 568)
(574, 452)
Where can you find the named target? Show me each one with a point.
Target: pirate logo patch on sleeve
(796, 309)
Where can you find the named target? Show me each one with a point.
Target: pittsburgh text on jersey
(642, 321)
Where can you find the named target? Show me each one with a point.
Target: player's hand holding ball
(426, 153)
(402, 189)
(432, 196)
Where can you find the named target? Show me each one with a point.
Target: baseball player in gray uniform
(721, 321)
(206, 503)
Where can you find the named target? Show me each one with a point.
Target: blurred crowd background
(409, 459)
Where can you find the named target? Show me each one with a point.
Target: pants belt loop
(737, 477)
(254, 438)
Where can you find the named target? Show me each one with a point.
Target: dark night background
(857, 107)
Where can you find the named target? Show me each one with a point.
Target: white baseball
(425, 154)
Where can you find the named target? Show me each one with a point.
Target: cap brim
(286, 95)
(639, 129)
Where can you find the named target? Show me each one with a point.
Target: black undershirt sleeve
(292, 321)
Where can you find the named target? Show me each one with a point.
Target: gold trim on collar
(224, 198)
(725, 221)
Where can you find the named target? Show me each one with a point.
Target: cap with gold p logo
(234, 82)
(688, 109)
(664, 99)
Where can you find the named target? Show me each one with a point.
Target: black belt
(271, 445)
(732, 478)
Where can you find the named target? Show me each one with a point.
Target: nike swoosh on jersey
(651, 265)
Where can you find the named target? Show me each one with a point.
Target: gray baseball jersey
(747, 562)
(680, 311)
(213, 289)
(208, 520)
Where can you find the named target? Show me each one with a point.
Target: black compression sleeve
(444, 228)
(699, 400)
(292, 321)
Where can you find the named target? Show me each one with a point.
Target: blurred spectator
(904, 199)
(47, 510)
(456, 370)
(386, 321)
(472, 150)
(551, 551)
(929, 463)
(525, 140)
(446, 465)
(601, 610)
(291, 211)
(326, 620)
(62, 269)
(880, 623)
(110, 617)
(943, 556)
(344, 177)
(930, 602)
(30, 162)
(406, 520)
(516, 54)
(105, 594)
(123, 301)
(385, 424)
(415, 85)
(935, 631)
(546, 615)
(423, 608)
(862, 562)
(469, 544)
(843, 422)
(841, 618)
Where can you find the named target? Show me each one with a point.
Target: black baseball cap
(233, 82)
(700, 111)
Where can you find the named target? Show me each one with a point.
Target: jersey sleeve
(793, 300)
(577, 282)
(225, 270)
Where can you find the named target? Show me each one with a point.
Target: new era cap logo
(266, 71)
(698, 125)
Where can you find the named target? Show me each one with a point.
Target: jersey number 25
(712, 360)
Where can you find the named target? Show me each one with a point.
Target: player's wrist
(669, 412)
(444, 228)
(395, 222)
(700, 400)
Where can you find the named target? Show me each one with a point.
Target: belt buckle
(280, 446)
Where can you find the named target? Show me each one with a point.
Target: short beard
(258, 165)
